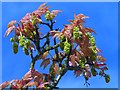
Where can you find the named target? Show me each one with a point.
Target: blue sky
(103, 18)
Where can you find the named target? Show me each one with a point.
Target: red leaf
(11, 23)
(77, 73)
(10, 29)
(87, 67)
(99, 65)
(28, 75)
(98, 50)
(43, 9)
(88, 74)
(4, 85)
(56, 68)
(81, 16)
(26, 18)
(42, 6)
(68, 27)
(67, 34)
(55, 12)
(31, 46)
(55, 33)
(45, 62)
(30, 84)
(72, 58)
(101, 59)
(89, 30)
(13, 86)
(45, 54)
(38, 78)
(43, 84)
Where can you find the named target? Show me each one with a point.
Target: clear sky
(103, 18)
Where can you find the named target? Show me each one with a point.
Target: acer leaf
(72, 58)
(45, 54)
(55, 33)
(56, 68)
(45, 62)
(100, 65)
(28, 75)
(4, 85)
(10, 29)
(88, 74)
(77, 73)
(55, 12)
(89, 30)
(43, 84)
(42, 6)
(10, 24)
(80, 16)
(30, 84)
(31, 46)
(101, 59)
(98, 50)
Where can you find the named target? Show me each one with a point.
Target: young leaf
(43, 85)
(77, 73)
(56, 68)
(10, 24)
(55, 33)
(4, 85)
(55, 12)
(30, 84)
(45, 62)
(45, 54)
(10, 29)
(72, 58)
